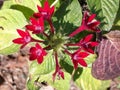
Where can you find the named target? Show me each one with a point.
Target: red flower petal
(40, 59)
(46, 6)
(33, 21)
(39, 8)
(83, 54)
(30, 27)
(93, 44)
(19, 41)
(88, 38)
(21, 33)
(32, 49)
(75, 63)
(33, 56)
(38, 46)
(91, 17)
(41, 22)
(37, 15)
(52, 10)
(94, 24)
(82, 62)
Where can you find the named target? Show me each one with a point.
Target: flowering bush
(57, 35)
(56, 43)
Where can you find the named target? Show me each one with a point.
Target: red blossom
(46, 12)
(78, 58)
(88, 23)
(38, 53)
(37, 26)
(86, 43)
(25, 38)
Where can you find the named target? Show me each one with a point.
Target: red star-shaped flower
(88, 23)
(78, 58)
(86, 44)
(46, 12)
(25, 38)
(38, 53)
(36, 26)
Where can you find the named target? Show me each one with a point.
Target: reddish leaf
(107, 65)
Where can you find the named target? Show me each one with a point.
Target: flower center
(45, 14)
(38, 28)
(56, 41)
(38, 52)
(27, 39)
(76, 57)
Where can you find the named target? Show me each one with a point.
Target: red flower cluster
(36, 26)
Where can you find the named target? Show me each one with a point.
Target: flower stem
(51, 26)
(66, 51)
(78, 30)
(35, 40)
(71, 44)
(56, 60)
(48, 47)
(45, 34)
(57, 66)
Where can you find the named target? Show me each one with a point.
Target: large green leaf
(68, 16)
(10, 20)
(87, 82)
(116, 25)
(106, 11)
(117, 20)
(25, 10)
(27, 3)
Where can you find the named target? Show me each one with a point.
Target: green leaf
(106, 11)
(90, 59)
(68, 16)
(58, 84)
(116, 25)
(69, 69)
(117, 20)
(31, 85)
(25, 10)
(32, 4)
(87, 82)
(10, 20)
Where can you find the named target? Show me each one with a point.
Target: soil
(13, 71)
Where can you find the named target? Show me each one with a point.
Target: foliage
(15, 14)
